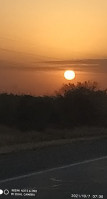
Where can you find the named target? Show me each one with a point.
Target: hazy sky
(40, 30)
(56, 28)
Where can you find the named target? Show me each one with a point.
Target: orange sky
(39, 31)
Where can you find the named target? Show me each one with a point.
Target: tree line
(77, 105)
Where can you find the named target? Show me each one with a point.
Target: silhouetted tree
(74, 105)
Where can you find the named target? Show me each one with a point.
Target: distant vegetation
(77, 105)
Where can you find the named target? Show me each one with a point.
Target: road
(57, 172)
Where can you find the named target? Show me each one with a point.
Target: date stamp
(87, 196)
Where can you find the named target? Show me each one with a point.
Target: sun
(69, 74)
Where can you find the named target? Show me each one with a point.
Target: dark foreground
(84, 175)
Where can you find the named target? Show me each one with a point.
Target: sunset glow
(39, 40)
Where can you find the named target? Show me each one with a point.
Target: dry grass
(13, 140)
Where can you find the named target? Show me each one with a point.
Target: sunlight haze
(59, 28)
(33, 32)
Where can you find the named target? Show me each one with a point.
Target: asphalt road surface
(77, 170)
